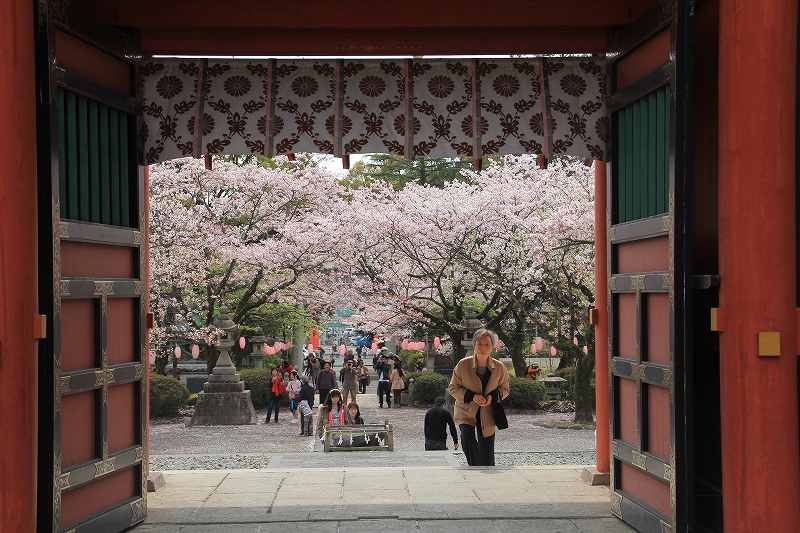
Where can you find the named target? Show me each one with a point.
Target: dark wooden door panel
(642, 281)
(98, 373)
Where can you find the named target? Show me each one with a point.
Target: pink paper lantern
(152, 357)
(437, 343)
(533, 347)
(177, 352)
(278, 346)
(242, 343)
(586, 350)
(553, 351)
(265, 348)
(269, 350)
(195, 351)
(310, 347)
(575, 340)
(342, 350)
(374, 347)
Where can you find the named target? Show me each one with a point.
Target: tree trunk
(459, 351)
(517, 351)
(584, 396)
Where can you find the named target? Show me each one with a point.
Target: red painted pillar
(17, 268)
(601, 319)
(760, 454)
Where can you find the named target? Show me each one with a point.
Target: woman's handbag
(499, 415)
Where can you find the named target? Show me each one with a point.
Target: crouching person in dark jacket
(306, 408)
(437, 419)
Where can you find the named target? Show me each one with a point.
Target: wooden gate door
(644, 275)
(93, 374)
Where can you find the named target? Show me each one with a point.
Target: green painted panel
(62, 151)
(114, 160)
(641, 166)
(105, 166)
(83, 159)
(652, 150)
(72, 156)
(95, 175)
(124, 172)
(94, 162)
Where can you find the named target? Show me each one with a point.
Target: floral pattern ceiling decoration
(544, 106)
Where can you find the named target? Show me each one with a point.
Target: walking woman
(277, 389)
(332, 413)
(326, 382)
(398, 379)
(363, 379)
(478, 381)
(293, 388)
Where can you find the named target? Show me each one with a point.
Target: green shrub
(167, 395)
(259, 382)
(525, 393)
(410, 358)
(428, 386)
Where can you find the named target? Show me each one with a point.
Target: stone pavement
(430, 499)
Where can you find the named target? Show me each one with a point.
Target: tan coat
(466, 378)
(398, 383)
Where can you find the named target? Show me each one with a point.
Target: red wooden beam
(757, 265)
(18, 267)
(355, 14)
(245, 41)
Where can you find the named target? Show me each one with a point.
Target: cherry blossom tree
(423, 255)
(231, 240)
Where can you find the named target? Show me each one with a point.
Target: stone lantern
(224, 400)
(469, 325)
(257, 355)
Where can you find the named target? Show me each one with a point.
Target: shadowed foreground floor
(380, 499)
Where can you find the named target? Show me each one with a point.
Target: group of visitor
(391, 379)
(478, 385)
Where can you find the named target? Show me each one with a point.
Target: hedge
(525, 393)
(259, 382)
(428, 386)
(167, 395)
(410, 358)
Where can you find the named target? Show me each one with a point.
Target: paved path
(526, 442)
(381, 500)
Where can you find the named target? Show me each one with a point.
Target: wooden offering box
(369, 437)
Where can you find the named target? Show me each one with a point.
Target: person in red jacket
(277, 389)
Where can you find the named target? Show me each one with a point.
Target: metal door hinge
(39, 327)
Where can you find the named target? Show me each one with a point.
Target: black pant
(274, 404)
(362, 386)
(435, 445)
(384, 387)
(306, 424)
(323, 395)
(480, 451)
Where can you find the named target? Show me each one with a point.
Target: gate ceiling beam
(197, 14)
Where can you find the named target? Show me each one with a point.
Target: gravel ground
(526, 442)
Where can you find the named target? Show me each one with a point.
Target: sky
(334, 164)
